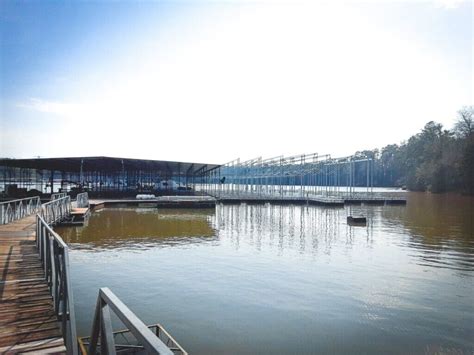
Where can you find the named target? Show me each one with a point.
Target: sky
(213, 81)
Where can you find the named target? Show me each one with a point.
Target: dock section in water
(257, 199)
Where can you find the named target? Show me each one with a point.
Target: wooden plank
(15, 294)
(56, 350)
(45, 317)
(28, 315)
(20, 329)
(79, 211)
(38, 345)
(32, 336)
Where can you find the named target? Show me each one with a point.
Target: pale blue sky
(208, 81)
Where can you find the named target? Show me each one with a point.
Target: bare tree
(464, 126)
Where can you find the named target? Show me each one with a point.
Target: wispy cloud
(448, 4)
(258, 71)
(52, 107)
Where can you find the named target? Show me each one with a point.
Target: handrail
(58, 195)
(16, 209)
(82, 200)
(102, 325)
(121, 335)
(55, 210)
(54, 255)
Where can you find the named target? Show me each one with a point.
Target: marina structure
(37, 311)
(305, 178)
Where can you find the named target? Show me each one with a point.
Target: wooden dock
(77, 217)
(34, 265)
(28, 323)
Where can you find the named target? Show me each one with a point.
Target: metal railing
(102, 327)
(58, 195)
(124, 342)
(16, 209)
(56, 210)
(54, 256)
(82, 200)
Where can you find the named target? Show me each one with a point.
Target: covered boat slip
(101, 176)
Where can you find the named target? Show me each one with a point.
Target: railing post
(151, 344)
(107, 343)
(37, 235)
(95, 326)
(53, 274)
(55, 258)
(45, 252)
(72, 341)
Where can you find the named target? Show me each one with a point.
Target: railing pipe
(54, 255)
(55, 210)
(82, 200)
(16, 209)
(58, 195)
(102, 325)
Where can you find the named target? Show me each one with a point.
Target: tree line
(435, 159)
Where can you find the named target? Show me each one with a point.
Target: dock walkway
(28, 323)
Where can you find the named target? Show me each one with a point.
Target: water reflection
(437, 217)
(419, 227)
(276, 227)
(141, 228)
(441, 229)
(235, 278)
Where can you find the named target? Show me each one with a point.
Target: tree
(464, 126)
(434, 159)
(467, 167)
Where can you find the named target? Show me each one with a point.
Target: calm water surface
(246, 279)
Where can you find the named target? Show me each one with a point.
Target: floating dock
(159, 202)
(77, 217)
(210, 201)
(322, 200)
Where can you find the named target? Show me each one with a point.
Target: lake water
(246, 279)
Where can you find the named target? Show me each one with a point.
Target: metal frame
(56, 210)
(123, 345)
(102, 327)
(297, 177)
(54, 255)
(16, 209)
(58, 195)
(82, 200)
